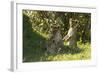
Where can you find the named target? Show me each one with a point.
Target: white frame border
(16, 59)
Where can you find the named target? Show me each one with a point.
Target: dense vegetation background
(36, 31)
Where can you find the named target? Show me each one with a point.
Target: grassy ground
(80, 53)
(34, 51)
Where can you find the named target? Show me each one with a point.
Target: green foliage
(43, 20)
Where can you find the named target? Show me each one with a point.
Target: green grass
(34, 51)
(81, 53)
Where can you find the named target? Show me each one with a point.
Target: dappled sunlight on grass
(67, 54)
(46, 36)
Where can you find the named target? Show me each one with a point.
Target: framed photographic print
(52, 36)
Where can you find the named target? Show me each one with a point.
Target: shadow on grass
(68, 50)
(33, 43)
(37, 54)
(33, 48)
